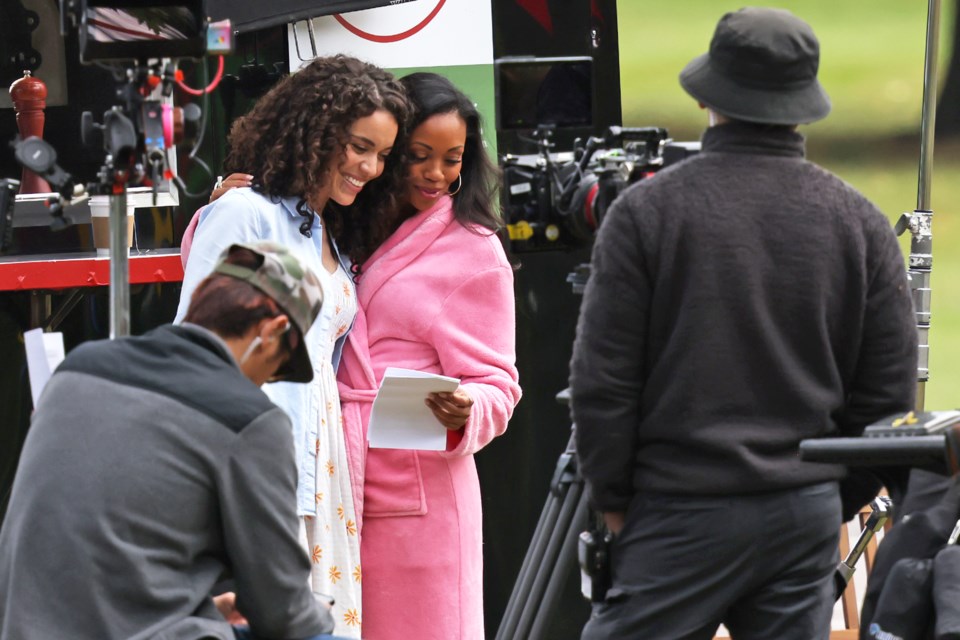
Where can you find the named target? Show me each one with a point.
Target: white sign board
(423, 33)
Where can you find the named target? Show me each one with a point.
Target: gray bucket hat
(761, 67)
(294, 287)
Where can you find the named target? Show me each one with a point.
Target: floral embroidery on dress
(334, 574)
(317, 555)
(352, 618)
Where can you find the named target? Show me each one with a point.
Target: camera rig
(140, 41)
(558, 200)
(143, 40)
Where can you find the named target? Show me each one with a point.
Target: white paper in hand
(400, 419)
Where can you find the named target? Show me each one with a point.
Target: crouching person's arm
(270, 568)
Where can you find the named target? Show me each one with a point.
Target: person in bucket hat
(739, 301)
(761, 67)
(155, 465)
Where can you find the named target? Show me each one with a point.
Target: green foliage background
(872, 65)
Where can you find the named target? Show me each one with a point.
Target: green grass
(872, 54)
(872, 67)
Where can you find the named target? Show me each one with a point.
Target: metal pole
(119, 267)
(920, 222)
(929, 116)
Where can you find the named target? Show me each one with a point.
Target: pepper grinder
(29, 97)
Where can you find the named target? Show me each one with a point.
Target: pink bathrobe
(435, 297)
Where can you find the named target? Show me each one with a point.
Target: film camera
(556, 200)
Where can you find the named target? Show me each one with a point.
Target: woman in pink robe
(436, 296)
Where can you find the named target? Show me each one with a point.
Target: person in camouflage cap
(185, 469)
(295, 288)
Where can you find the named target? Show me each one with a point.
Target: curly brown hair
(290, 136)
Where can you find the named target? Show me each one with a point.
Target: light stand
(119, 136)
(119, 267)
(920, 221)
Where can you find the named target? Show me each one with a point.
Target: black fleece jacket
(739, 302)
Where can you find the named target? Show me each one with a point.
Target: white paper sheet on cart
(400, 419)
(44, 354)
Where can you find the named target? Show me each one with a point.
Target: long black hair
(431, 94)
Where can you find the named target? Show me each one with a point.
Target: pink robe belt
(348, 394)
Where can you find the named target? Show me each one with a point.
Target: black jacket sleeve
(606, 371)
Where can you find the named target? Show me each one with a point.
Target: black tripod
(551, 556)
(552, 553)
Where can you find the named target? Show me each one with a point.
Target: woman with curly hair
(436, 296)
(311, 144)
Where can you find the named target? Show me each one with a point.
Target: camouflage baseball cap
(294, 287)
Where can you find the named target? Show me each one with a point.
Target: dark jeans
(761, 564)
(243, 632)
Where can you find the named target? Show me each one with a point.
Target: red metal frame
(67, 271)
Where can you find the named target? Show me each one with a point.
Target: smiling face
(436, 154)
(368, 144)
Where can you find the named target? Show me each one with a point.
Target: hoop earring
(459, 185)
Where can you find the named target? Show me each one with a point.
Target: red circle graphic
(396, 37)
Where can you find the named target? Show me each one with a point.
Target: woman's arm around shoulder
(239, 216)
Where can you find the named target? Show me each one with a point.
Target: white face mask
(711, 118)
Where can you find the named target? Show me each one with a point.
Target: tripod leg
(562, 569)
(557, 535)
(880, 510)
(532, 560)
